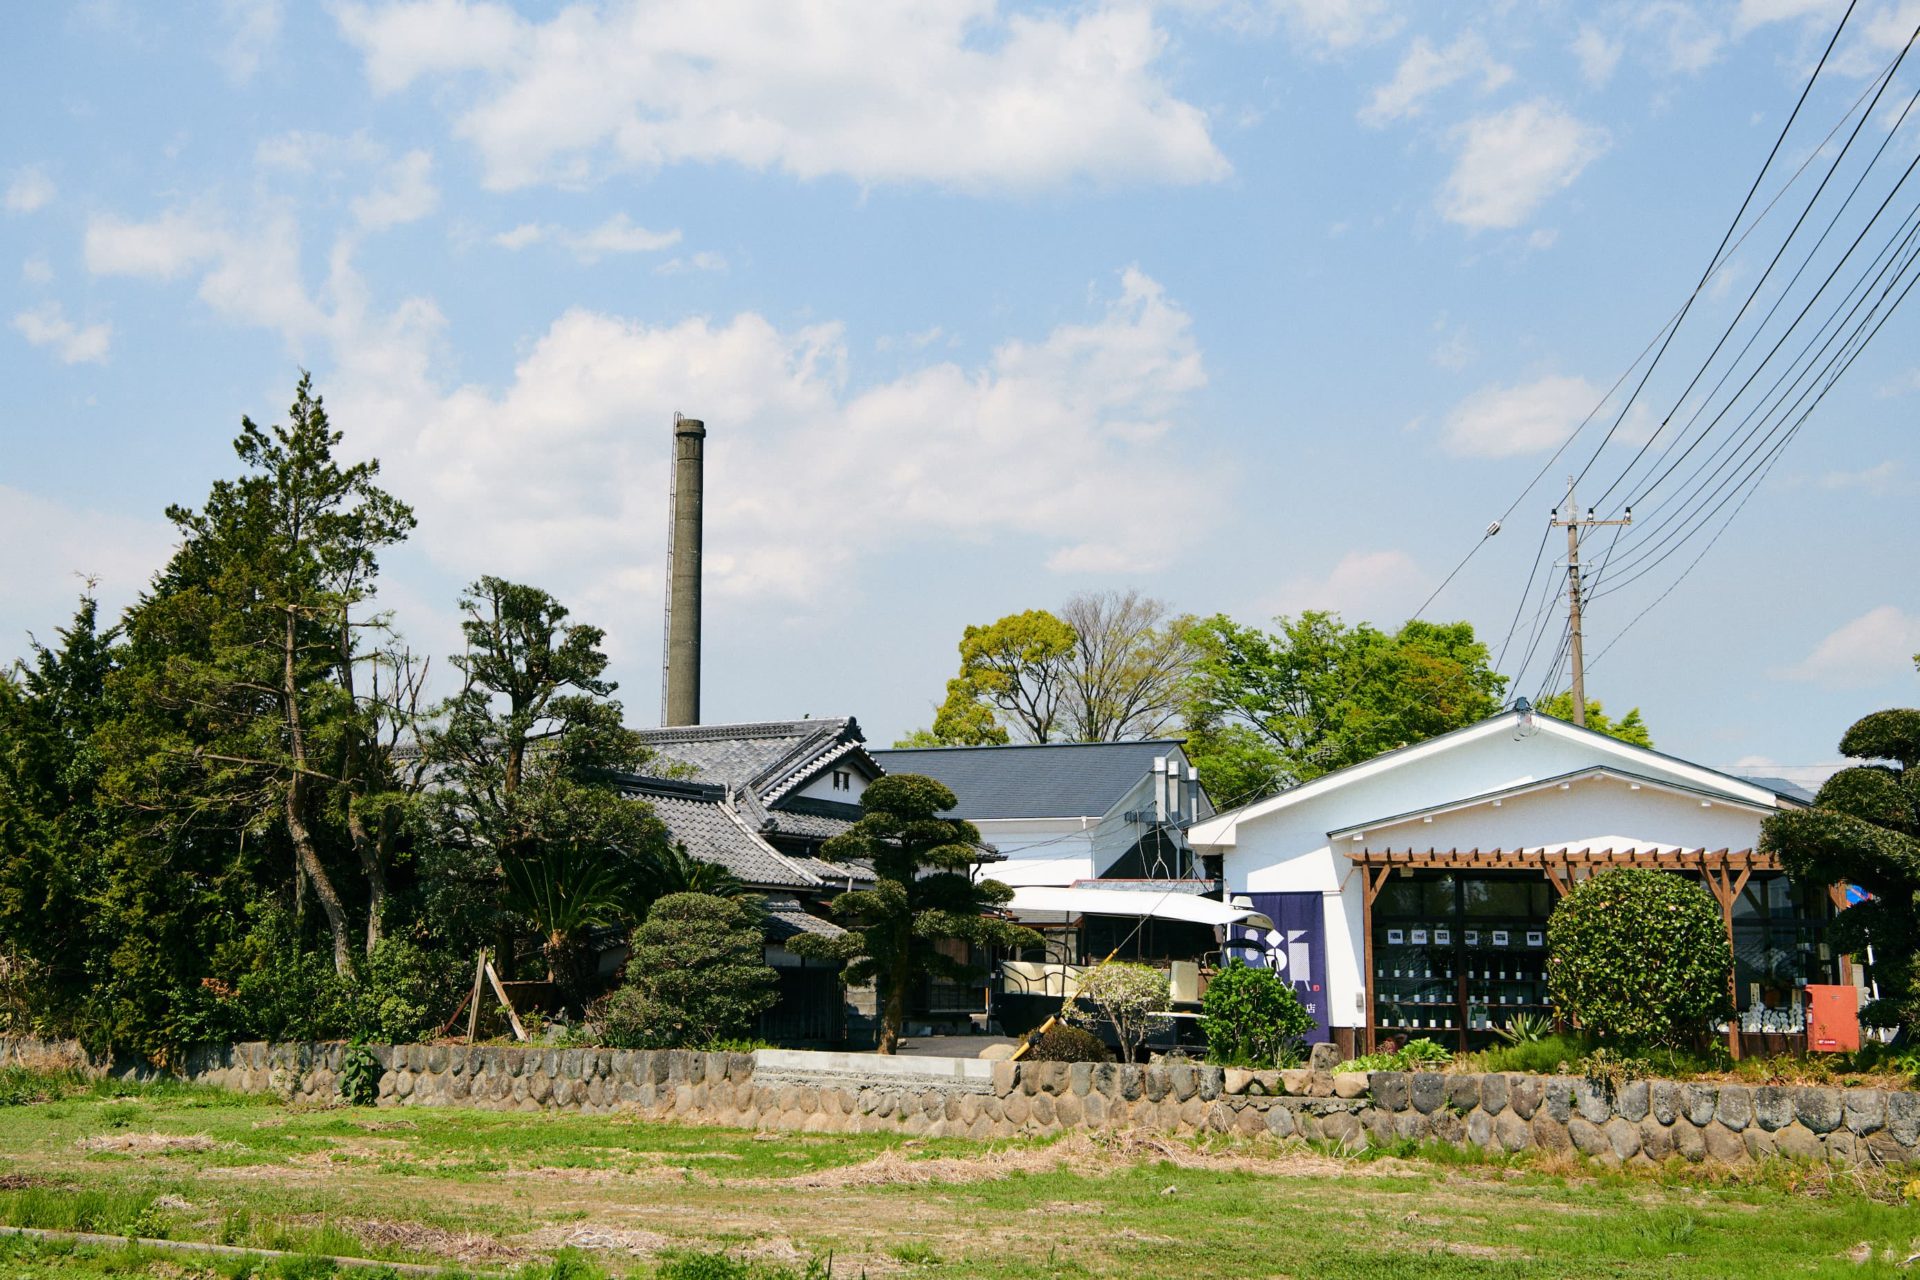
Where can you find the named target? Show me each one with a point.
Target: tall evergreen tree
(239, 684)
(53, 827)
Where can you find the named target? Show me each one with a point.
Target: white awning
(1039, 900)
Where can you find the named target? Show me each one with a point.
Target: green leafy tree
(697, 975)
(526, 807)
(1012, 672)
(1629, 728)
(1640, 957)
(1252, 1017)
(1108, 667)
(924, 892)
(1130, 998)
(1268, 709)
(1864, 830)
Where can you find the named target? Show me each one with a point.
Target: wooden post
(519, 1032)
(479, 976)
(1370, 886)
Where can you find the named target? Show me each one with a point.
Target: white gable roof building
(1437, 865)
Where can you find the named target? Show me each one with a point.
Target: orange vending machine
(1833, 1019)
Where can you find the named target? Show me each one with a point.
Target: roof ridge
(1029, 746)
(746, 729)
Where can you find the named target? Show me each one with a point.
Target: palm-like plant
(671, 869)
(565, 891)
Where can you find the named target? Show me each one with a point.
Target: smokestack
(681, 699)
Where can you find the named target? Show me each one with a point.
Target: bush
(1415, 1055)
(1253, 1018)
(696, 976)
(1639, 957)
(1130, 997)
(360, 1073)
(1063, 1043)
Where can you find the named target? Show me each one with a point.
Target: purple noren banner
(1295, 946)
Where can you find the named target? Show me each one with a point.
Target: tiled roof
(756, 756)
(713, 831)
(786, 918)
(1051, 780)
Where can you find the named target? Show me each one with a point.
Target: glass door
(1457, 956)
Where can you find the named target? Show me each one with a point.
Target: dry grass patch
(147, 1144)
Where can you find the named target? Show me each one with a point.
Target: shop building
(1422, 880)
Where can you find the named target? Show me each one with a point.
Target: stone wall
(1646, 1120)
(1638, 1121)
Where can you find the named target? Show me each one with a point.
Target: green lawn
(510, 1193)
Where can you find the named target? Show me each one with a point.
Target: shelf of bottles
(1450, 965)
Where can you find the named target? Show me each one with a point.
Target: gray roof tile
(1050, 780)
(713, 832)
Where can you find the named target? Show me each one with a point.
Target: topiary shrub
(1064, 1043)
(696, 975)
(1252, 1018)
(1640, 957)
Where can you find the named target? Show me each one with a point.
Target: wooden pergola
(1724, 871)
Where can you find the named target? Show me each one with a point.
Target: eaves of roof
(1217, 830)
(1557, 782)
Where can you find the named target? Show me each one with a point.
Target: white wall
(822, 788)
(1040, 851)
(1286, 848)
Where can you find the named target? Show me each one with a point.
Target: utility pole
(1574, 524)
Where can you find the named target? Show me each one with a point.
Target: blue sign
(1856, 895)
(1295, 946)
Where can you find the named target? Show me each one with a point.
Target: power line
(1714, 263)
(1686, 519)
(1760, 328)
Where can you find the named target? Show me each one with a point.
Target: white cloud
(48, 326)
(29, 191)
(1373, 585)
(617, 234)
(1336, 25)
(521, 236)
(1878, 480)
(1454, 349)
(1686, 40)
(1598, 55)
(36, 270)
(1511, 161)
(160, 249)
(45, 549)
(1510, 421)
(254, 28)
(1059, 442)
(1875, 648)
(252, 275)
(1425, 71)
(951, 92)
(406, 195)
(1758, 13)
(703, 260)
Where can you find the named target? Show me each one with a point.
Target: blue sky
(1259, 305)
